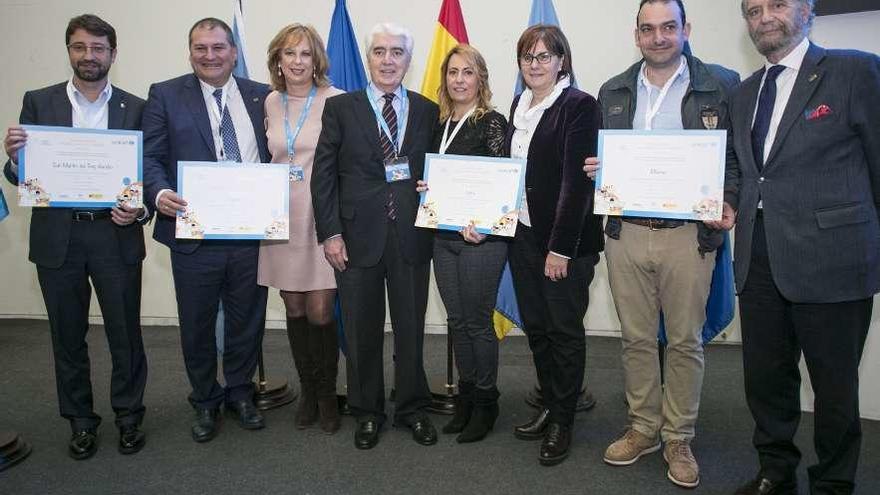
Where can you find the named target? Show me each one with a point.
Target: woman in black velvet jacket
(554, 126)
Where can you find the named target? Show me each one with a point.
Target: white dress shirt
(89, 114)
(241, 120)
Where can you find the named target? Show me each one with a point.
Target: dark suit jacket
(50, 227)
(821, 182)
(349, 191)
(177, 128)
(559, 195)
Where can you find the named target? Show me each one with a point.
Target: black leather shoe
(423, 431)
(535, 428)
(131, 439)
(248, 415)
(83, 444)
(554, 448)
(366, 436)
(765, 486)
(206, 425)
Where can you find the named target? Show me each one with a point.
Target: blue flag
(4, 209)
(346, 67)
(542, 13)
(241, 69)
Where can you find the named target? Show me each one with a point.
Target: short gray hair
(809, 3)
(391, 29)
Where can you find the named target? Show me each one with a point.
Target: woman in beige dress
(298, 67)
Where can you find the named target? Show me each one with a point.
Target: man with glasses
(369, 156)
(77, 249)
(209, 115)
(662, 266)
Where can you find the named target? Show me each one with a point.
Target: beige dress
(298, 264)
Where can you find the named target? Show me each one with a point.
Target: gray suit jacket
(820, 185)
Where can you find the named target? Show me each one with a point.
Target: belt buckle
(83, 216)
(654, 224)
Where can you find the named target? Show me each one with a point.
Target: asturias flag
(241, 69)
(450, 31)
(346, 66)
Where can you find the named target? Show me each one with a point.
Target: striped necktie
(388, 148)
(227, 130)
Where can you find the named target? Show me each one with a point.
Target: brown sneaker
(683, 469)
(628, 448)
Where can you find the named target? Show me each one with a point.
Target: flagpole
(13, 449)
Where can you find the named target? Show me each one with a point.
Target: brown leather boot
(307, 368)
(328, 360)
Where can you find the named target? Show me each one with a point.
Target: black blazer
(177, 128)
(349, 191)
(559, 193)
(50, 227)
(821, 182)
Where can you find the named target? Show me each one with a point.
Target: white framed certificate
(71, 167)
(485, 191)
(661, 174)
(231, 200)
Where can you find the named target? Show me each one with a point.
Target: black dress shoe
(366, 436)
(535, 428)
(765, 486)
(554, 448)
(131, 439)
(206, 425)
(423, 431)
(248, 415)
(83, 444)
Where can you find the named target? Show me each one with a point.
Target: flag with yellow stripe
(450, 31)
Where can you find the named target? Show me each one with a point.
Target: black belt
(90, 215)
(655, 223)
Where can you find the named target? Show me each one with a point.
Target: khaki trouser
(652, 271)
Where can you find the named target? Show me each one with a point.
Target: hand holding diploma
(16, 138)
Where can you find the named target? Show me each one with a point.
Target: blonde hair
(291, 35)
(484, 94)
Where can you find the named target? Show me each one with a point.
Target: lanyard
(395, 140)
(292, 134)
(446, 140)
(653, 110)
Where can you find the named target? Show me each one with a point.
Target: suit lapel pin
(121, 104)
(256, 99)
(813, 77)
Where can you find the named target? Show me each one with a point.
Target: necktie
(766, 101)
(227, 130)
(388, 148)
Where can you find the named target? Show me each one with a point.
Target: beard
(786, 35)
(91, 71)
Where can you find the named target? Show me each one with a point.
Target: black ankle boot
(484, 416)
(306, 367)
(464, 406)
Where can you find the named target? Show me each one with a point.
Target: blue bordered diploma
(230, 200)
(472, 189)
(71, 167)
(661, 174)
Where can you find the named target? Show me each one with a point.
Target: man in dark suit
(209, 116)
(364, 217)
(74, 248)
(805, 130)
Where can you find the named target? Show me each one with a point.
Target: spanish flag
(449, 32)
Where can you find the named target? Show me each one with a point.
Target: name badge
(295, 173)
(397, 169)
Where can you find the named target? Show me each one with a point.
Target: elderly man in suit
(209, 116)
(77, 249)
(805, 130)
(369, 156)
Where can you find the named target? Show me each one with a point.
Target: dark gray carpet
(281, 459)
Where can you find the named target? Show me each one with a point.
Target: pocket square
(819, 112)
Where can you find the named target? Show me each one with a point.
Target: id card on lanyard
(296, 172)
(396, 168)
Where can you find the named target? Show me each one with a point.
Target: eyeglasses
(82, 48)
(543, 58)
